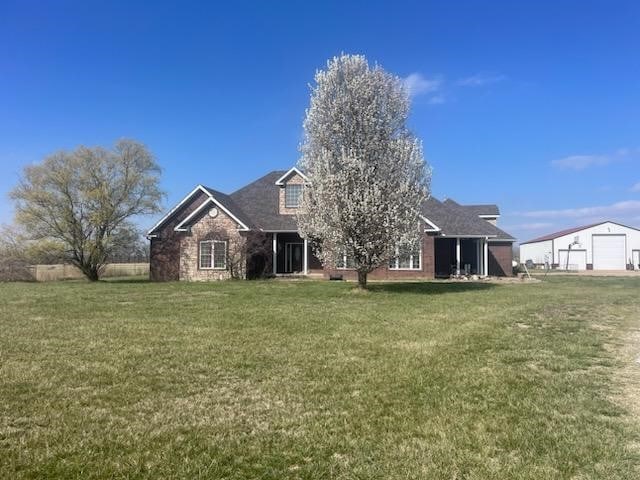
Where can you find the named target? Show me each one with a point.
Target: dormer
(291, 186)
(488, 212)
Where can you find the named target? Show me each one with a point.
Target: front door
(293, 257)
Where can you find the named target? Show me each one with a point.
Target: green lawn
(279, 380)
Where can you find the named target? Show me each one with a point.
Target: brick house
(210, 235)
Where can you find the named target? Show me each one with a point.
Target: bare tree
(258, 253)
(86, 199)
(14, 263)
(248, 254)
(366, 171)
(130, 246)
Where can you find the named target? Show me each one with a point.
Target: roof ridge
(561, 233)
(231, 205)
(272, 172)
(455, 219)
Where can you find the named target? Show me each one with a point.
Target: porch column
(305, 256)
(485, 257)
(457, 255)
(274, 259)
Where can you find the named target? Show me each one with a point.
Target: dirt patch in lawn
(627, 379)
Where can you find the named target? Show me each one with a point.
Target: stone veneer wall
(294, 179)
(165, 249)
(222, 227)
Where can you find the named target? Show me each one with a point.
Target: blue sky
(531, 105)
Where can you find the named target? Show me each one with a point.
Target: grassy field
(279, 380)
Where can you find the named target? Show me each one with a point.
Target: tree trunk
(91, 272)
(362, 280)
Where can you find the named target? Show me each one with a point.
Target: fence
(46, 273)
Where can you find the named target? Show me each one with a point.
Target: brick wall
(427, 269)
(175, 255)
(164, 254)
(164, 258)
(222, 227)
(500, 258)
(294, 179)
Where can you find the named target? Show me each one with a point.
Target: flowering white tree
(367, 175)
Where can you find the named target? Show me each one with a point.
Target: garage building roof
(568, 231)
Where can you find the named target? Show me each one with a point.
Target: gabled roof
(455, 220)
(484, 210)
(232, 207)
(260, 199)
(568, 231)
(219, 199)
(256, 206)
(175, 209)
(290, 172)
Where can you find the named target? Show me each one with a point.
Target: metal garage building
(601, 246)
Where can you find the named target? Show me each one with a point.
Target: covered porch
(455, 256)
(292, 255)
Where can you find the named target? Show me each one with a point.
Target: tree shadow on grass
(133, 279)
(430, 288)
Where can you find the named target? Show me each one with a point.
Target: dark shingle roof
(231, 205)
(260, 199)
(484, 209)
(256, 205)
(455, 220)
(488, 209)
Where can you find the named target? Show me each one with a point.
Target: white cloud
(418, 84)
(626, 208)
(635, 187)
(480, 80)
(432, 87)
(437, 99)
(581, 162)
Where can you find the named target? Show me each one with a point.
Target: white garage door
(577, 260)
(609, 252)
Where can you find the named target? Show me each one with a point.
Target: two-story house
(195, 240)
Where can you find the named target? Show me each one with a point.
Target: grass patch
(272, 380)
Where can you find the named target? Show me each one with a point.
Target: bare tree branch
(85, 198)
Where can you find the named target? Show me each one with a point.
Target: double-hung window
(406, 258)
(292, 195)
(344, 261)
(213, 255)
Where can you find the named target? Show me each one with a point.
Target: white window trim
(411, 267)
(179, 227)
(344, 262)
(299, 196)
(213, 247)
(434, 227)
(281, 180)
